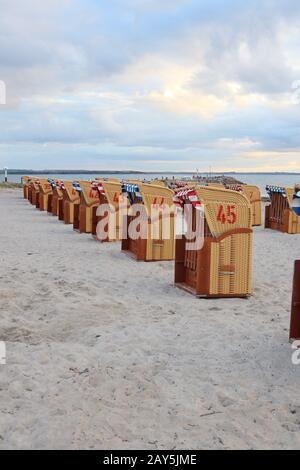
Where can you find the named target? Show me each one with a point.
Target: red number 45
(228, 216)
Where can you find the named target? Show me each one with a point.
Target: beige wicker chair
(45, 190)
(26, 184)
(223, 266)
(109, 194)
(279, 214)
(89, 198)
(57, 200)
(70, 199)
(149, 248)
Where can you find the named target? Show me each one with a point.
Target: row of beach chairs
(220, 267)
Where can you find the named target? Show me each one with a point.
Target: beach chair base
(61, 210)
(25, 192)
(148, 249)
(204, 274)
(68, 213)
(43, 201)
(55, 205)
(280, 225)
(295, 316)
(33, 197)
(135, 249)
(95, 220)
(30, 195)
(49, 204)
(37, 200)
(85, 219)
(76, 217)
(190, 290)
(138, 250)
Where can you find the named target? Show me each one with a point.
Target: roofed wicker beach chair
(45, 190)
(71, 198)
(295, 317)
(52, 183)
(57, 199)
(110, 194)
(216, 259)
(26, 184)
(283, 214)
(83, 213)
(154, 237)
(34, 192)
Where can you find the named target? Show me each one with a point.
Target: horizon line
(16, 171)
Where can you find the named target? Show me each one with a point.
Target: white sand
(103, 352)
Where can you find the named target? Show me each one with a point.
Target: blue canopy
(296, 201)
(276, 189)
(132, 191)
(76, 186)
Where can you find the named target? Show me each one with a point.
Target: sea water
(259, 179)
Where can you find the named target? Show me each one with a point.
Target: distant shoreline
(137, 172)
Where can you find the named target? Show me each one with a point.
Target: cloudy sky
(150, 84)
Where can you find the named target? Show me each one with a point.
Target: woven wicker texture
(89, 195)
(112, 192)
(253, 194)
(70, 193)
(224, 209)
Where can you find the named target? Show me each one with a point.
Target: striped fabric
(132, 191)
(97, 185)
(130, 188)
(186, 195)
(51, 182)
(76, 186)
(234, 187)
(276, 189)
(60, 185)
(296, 201)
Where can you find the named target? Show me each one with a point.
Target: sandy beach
(105, 353)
